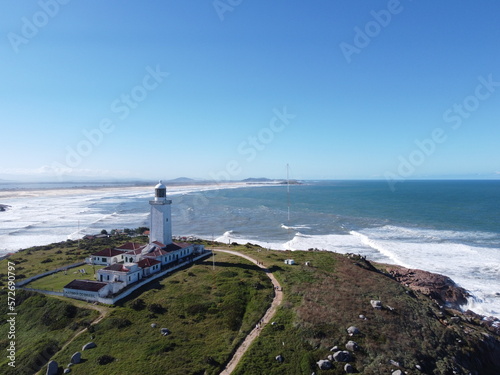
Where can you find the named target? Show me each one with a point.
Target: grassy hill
(208, 312)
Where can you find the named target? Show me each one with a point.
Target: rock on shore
(438, 287)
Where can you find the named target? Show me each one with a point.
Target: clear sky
(338, 89)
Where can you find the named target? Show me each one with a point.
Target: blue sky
(238, 88)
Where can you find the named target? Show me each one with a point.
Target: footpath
(278, 298)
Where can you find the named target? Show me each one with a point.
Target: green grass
(209, 312)
(58, 280)
(40, 259)
(43, 325)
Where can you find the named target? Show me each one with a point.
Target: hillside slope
(209, 307)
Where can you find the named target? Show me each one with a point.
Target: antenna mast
(288, 189)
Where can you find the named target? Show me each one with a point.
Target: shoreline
(63, 191)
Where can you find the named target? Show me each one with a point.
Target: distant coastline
(21, 189)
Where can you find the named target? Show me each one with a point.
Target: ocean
(448, 227)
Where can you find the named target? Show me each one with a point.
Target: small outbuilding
(85, 289)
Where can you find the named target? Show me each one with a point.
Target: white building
(160, 219)
(86, 290)
(132, 262)
(107, 257)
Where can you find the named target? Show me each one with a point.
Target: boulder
(330, 357)
(376, 304)
(397, 372)
(342, 356)
(353, 331)
(324, 364)
(279, 358)
(438, 287)
(67, 371)
(352, 346)
(52, 368)
(349, 369)
(334, 349)
(89, 345)
(76, 358)
(165, 331)
(362, 317)
(153, 325)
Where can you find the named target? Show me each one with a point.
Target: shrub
(105, 359)
(138, 304)
(156, 308)
(70, 311)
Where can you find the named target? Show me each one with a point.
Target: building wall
(160, 223)
(85, 294)
(113, 276)
(107, 261)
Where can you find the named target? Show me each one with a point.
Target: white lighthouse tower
(160, 221)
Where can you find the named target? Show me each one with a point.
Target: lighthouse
(160, 220)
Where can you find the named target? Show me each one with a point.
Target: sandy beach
(58, 192)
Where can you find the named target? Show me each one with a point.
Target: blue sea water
(449, 227)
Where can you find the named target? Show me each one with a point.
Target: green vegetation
(43, 325)
(39, 259)
(324, 299)
(56, 281)
(208, 312)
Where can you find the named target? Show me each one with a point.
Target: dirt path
(278, 298)
(103, 312)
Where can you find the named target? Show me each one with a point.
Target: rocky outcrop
(342, 356)
(325, 364)
(438, 287)
(76, 358)
(352, 331)
(352, 346)
(89, 345)
(349, 369)
(52, 368)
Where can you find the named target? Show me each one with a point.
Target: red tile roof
(183, 245)
(147, 262)
(135, 252)
(156, 253)
(158, 243)
(131, 246)
(117, 267)
(172, 247)
(108, 253)
(87, 285)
